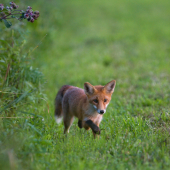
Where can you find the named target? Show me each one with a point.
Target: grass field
(97, 41)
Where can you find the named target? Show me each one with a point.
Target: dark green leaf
(7, 24)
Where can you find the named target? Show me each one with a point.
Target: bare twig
(7, 72)
(38, 43)
(6, 76)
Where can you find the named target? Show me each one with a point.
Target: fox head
(99, 96)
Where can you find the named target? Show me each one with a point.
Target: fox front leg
(94, 127)
(80, 125)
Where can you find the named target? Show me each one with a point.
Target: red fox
(87, 105)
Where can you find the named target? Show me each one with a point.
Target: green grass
(97, 41)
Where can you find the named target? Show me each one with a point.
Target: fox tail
(58, 103)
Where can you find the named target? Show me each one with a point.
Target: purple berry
(32, 20)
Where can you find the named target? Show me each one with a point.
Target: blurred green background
(97, 41)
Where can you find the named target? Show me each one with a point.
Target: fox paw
(96, 130)
(93, 126)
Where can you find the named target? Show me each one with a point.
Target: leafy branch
(12, 12)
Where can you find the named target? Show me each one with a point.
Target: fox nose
(101, 111)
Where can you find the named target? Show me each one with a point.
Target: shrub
(21, 85)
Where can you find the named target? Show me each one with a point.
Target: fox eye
(95, 101)
(105, 100)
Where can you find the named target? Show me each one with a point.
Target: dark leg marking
(80, 124)
(93, 126)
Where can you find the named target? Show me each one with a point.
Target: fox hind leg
(68, 120)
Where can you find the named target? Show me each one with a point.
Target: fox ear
(88, 88)
(109, 87)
